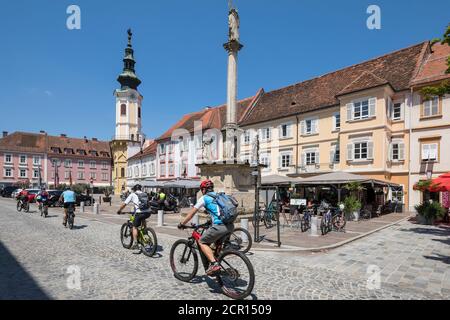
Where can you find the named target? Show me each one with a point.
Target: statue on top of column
(233, 23)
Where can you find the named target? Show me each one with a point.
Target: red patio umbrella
(441, 184)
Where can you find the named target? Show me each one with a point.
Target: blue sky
(62, 81)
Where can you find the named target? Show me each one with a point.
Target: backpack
(143, 201)
(227, 207)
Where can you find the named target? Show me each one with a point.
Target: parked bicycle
(339, 220)
(326, 223)
(266, 216)
(305, 222)
(236, 277)
(186, 202)
(146, 236)
(23, 205)
(236, 240)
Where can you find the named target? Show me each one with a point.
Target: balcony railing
(131, 137)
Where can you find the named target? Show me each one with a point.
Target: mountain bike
(266, 216)
(146, 236)
(43, 209)
(236, 277)
(236, 242)
(305, 222)
(23, 205)
(339, 220)
(71, 216)
(326, 223)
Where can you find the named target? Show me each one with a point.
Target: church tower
(128, 137)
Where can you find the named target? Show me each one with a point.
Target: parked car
(88, 200)
(7, 191)
(54, 198)
(15, 193)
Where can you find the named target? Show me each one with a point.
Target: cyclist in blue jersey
(68, 197)
(217, 230)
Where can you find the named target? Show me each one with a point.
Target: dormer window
(68, 151)
(93, 153)
(55, 150)
(81, 152)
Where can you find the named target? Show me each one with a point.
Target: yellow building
(349, 120)
(128, 137)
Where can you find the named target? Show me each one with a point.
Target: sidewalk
(292, 239)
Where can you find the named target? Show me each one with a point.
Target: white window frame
(162, 171)
(268, 158)
(171, 169)
(247, 137)
(396, 105)
(288, 126)
(11, 172)
(429, 104)
(67, 163)
(80, 175)
(283, 162)
(398, 145)
(314, 126)
(336, 115)
(66, 175)
(266, 134)
(38, 162)
(92, 164)
(371, 109)
(104, 176)
(10, 158)
(80, 163)
(20, 159)
(152, 169)
(104, 165)
(429, 159)
(335, 156)
(162, 148)
(93, 175)
(23, 176)
(35, 174)
(309, 157)
(361, 143)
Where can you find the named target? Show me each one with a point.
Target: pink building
(22, 156)
(60, 159)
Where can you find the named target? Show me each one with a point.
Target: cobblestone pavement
(36, 254)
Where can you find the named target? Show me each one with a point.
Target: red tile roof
(150, 150)
(211, 118)
(78, 144)
(396, 68)
(24, 142)
(434, 65)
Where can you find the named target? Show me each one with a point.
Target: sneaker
(213, 269)
(65, 224)
(135, 246)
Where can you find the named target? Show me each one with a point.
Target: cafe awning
(182, 183)
(276, 179)
(340, 177)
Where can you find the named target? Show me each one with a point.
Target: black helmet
(137, 187)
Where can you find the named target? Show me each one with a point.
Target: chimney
(42, 132)
(94, 139)
(5, 134)
(63, 135)
(86, 139)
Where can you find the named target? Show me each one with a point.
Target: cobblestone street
(37, 253)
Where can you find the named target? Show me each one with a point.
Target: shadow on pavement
(75, 227)
(15, 281)
(432, 231)
(439, 257)
(446, 241)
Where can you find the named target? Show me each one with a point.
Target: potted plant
(107, 192)
(429, 211)
(351, 207)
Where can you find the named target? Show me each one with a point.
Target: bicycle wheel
(27, 207)
(339, 222)
(125, 236)
(19, 206)
(149, 242)
(323, 228)
(183, 260)
(304, 225)
(70, 220)
(268, 221)
(258, 219)
(236, 277)
(236, 242)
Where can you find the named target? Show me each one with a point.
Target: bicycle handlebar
(196, 227)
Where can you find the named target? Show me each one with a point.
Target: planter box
(423, 220)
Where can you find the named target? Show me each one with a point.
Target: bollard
(196, 219)
(95, 208)
(160, 218)
(314, 226)
(244, 225)
(82, 206)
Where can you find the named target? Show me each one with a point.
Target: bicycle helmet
(137, 187)
(207, 184)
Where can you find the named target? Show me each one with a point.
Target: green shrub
(430, 211)
(351, 204)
